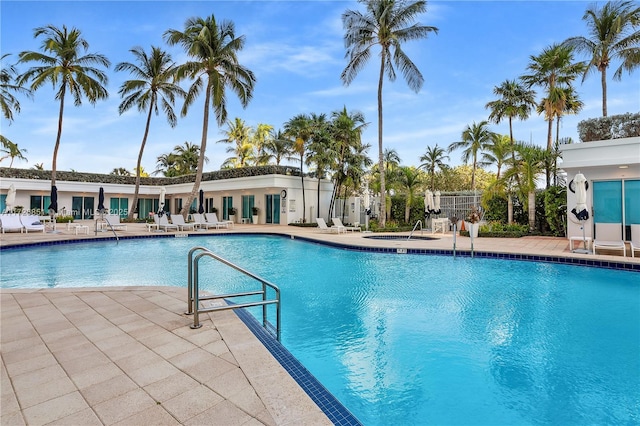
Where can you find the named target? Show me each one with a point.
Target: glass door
(272, 209)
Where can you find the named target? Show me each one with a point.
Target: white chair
(11, 222)
(338, 222)
(114, 221)
(324, 228)
(635, 239)
(609, 237)
(178, 220)
(213, 218)
(163, 222)
(200, 222)
(32, 223)
(439, 224)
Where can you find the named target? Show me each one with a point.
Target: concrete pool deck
(126, 355)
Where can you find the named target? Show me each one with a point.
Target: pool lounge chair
(11, 223)
(213, 219)
(322, 225)
(114, 221)
(32, 223)
(163, 222)
(178, 220)
(200, 222)
(338, 222)
(635, 239)
(609, 237)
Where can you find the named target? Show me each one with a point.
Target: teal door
(272, 209)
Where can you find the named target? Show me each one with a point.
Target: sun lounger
(609, 237)
(200, 222)
(11, 223)
(213, 218)
(178, 220)
(163, 222)
(338, 222)
(322, 225)
(114, 221)
(32, 223)
(635, 239)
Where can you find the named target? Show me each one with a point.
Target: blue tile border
(330, 406)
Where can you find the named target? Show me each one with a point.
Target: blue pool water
(408, 339)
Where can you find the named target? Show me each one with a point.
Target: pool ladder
(194, 297)
(414, 229)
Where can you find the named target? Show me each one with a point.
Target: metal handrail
(194, 298)
(419, 222)
(110, 226)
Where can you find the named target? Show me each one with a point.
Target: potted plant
(473, 219)
(255, 212)
(231, 211)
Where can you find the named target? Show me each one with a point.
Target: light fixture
(623, 167)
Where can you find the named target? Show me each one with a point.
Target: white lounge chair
(200, 222)
(324, 228)
(10, 223)
(213, 218)
(635, 239)
(178, 220)
(163, 222)
(114, 221)
(32, 223)
(338, 222)
(609, 237)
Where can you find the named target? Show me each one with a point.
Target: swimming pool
(403, 339)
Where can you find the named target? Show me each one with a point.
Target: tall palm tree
(187, 157)
(261, 137)
(614, 33)
(8, 102)
(239, 135)
(388, 24)
(277, 149)
(166, 164)
(213, 49)
(64, 65)
(530, 163)
(390, 169)
(120, 171)
(154, 81)
(515, 101)
(474, 139)
(432, 160)
(497, 152)
(300, 130)
(409, 180)
(11, 150)
(320, 154)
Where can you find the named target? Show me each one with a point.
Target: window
(119, 206)
(227, 203)
(39, 204)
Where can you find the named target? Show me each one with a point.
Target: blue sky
(296, 50)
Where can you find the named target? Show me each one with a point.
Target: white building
(612, 170)
(274, 190)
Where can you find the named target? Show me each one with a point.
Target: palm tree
(120, 171)
(300, 130)
(433, 159)
(390, 168)
(38, 166)
(239, 135)
(186, 158)
(214, 67)
(166, 164)
(63, 65)
(613, 34)
(474, 139)
(497, 152)
(409, 180)
(8, 102)
(155, 81)
(261, 136)
(389, 24)
(516, 101)
(530, 163)
(11, 150)
(277, 148)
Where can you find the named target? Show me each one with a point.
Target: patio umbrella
(580, 186)
(428, 201)
(201, 202)
(53, 207)
(436, 203)
(11, 198)
(101, 200)
(163, 194)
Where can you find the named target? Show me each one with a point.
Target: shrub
(555, 210)
(610, 127)
(64, 219)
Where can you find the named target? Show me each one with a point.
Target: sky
(296, 51)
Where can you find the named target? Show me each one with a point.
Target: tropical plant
(239, 135)
(299, 129)
(410, 181)
(474, 139)
(320, 151)
(497, 152)
(388, 24)
(8, 102)
(120, 171)
(64, 66)
(38, 166)
(613, 34)
(277, 149)
(187, 157)
(213, 49)
(516, 101)
(432, 160)
(262, 134)
(11, 150)
(154, 81)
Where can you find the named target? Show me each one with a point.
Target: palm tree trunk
(317, 205)
(304, 213)
(54, 162)
(383, 188)
(513, 149)
(134, 204)
(532, 210)
(509, 209)
(549, 146)
(603, 79)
